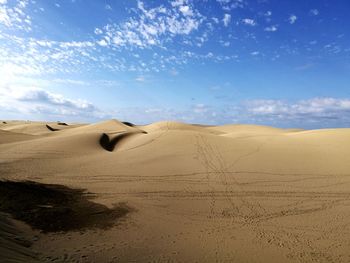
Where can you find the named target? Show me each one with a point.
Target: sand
(232, 193)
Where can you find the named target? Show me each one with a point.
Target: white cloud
(102, 43)
(98, 31)
(38, 95)
(148, 26)
(14, 16)
(186, 10)
(314, 12)
(225, 43)
(71, 81)
(178, 3)
(249, 22)
(77, 44)
(197, 113)
(292, 19)
(227, 19)
(33, 100)
(314, 109)
(228, 5)
(29, 56)
(267, 107)
(271, 28)
(9, 71)
(154, 26)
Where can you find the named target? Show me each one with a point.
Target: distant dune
(196, 193)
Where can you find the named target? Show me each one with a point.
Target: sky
(284, 63)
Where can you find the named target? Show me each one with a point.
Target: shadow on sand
(53, 208)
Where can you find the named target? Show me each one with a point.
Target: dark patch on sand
(128, 123)
(62, 123)
(109, 144)
(53, 208)
(51, 129)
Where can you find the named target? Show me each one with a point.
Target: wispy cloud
(153, 26)
(272, 28)
(310, 110)
(292, 19)
(314, 12)
(228, 5)
(304, 113)
(14, 17)
(226, 20)
(150, 31)
(319, 112)
(147, 28)
(33, 100)
(249, 22)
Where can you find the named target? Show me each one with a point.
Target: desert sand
(191, 193)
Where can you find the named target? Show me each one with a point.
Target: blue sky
(284, 63)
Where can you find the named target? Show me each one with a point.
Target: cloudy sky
(281, 63)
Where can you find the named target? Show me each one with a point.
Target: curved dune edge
(50, 128)
(128, 124)
(109, 144)
(36, 128)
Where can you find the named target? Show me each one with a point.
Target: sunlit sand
(185, 193)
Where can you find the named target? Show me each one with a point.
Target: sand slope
(240, 193)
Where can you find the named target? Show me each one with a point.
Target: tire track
(302, 247)
(213, 162)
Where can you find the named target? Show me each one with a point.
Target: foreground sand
(232, 193)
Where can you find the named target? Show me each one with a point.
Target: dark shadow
(109, 144)
(128, 123)
(53, 208)
(4, 122)
(62, 123)
(51, 129)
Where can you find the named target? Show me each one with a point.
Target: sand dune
(231, 193)
(7, 137)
